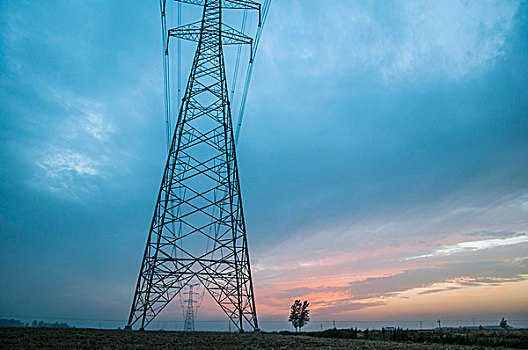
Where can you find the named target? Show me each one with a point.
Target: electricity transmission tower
(198, 233)
(189, 309)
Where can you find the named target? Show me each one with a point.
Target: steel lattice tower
(189, 309)
(198, 234)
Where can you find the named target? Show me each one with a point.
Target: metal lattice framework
(189, 309)
(198, 234)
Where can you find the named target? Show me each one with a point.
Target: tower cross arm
(229, 4)
(241, 4)
(191, 32)
(231, 36)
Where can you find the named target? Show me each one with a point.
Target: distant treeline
(476, 337)
(39, 324)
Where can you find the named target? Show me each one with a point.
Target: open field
(492, 338)
(48, 338)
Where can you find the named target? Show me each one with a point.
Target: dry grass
(47, 338)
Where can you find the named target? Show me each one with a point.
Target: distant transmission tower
(198, 233)
(189, 309)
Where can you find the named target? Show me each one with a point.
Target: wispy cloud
(407, 39)
(443, 278)
(77, 154)
(490, 233)
(66, 172)
(473, 246)
(68, 162)
(450, 38)
(477, 273)
(83, 115)
(438, 290)
(366, 264)
(378, 291)
(96, 124)
(344, 306)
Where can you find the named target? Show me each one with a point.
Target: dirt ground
(48, 338)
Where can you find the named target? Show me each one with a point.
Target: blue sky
(384, 154)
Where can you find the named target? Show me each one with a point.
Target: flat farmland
(49, 338)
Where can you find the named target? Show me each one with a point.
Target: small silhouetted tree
(294, 314)
(299, 315)
(304, 316)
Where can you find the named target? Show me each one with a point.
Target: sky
(383, 158)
